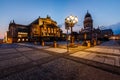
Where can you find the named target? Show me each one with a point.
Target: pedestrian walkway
(106, 53)
(11, 46)
(44, 63)
(110, 43)
(57, 50)
(105, 50)
(33, 45)
(102, 54)
(47, 48)
(101, 58)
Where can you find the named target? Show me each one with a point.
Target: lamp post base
(71, 44)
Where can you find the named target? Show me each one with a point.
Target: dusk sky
(104, 12)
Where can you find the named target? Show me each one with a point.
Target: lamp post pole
(67, 28)
(67, 41)
(71, 21)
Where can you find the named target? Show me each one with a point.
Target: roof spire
(87, 11)
(13, 21)
(48, 17)
(88, 14)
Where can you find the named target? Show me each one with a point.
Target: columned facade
(40, 29)
(44, 29)
(86, 33)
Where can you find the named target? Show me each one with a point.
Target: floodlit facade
(44, 29)
(40, 29)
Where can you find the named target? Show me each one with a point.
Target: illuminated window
(54, 30)
(48, 30)
(22, 34)
(45, 28)
(23, 39)
(51, 30)
(26, 39)
(19, 35)
(41, 29)
(47, 34)
(18, 40)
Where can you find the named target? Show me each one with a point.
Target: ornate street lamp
(70, 21)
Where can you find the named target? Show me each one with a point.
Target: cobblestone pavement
(26, 63)
(111, 43)
(10, 46)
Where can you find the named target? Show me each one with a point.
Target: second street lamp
(71, 21)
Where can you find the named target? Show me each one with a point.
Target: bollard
(35, 43)
(43, 43)
(95, 43)
(88, 44)
(98, 42)
(54, 44)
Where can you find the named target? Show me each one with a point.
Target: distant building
(90, 33)
(40, 29)
(115, 37)
(76, 35)
(107, 33)
(17, 32)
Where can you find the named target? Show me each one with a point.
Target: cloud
(115, 28)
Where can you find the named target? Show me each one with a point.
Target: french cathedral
(88, 32)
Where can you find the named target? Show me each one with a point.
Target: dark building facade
(86, 33)
(17, 32)
(106, 34)
(90, 33)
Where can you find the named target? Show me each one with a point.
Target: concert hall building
(40, 29)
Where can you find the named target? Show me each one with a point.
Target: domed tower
(88, 22)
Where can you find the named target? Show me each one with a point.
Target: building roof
(37, 20)
(87, 14)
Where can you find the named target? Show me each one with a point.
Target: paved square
(11, 50)
(62, 69)
(24, 49)
(35, 55)
(58, 50)
(40, 63)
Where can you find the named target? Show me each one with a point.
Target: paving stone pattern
(63, 69)
(37, 63)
